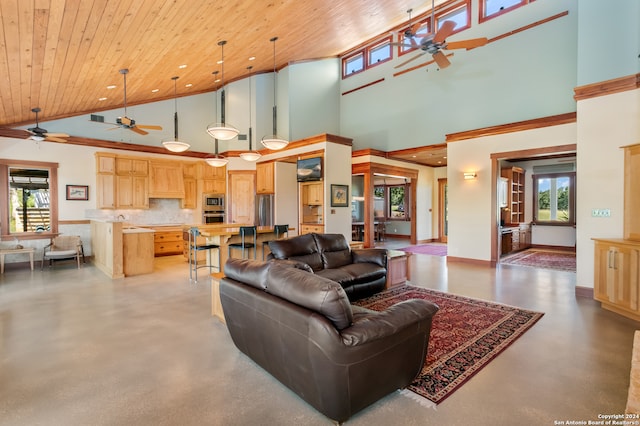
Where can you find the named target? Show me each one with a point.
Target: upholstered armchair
(63, 247)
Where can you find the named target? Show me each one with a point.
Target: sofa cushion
(248, 271)
(301, 248)
(355, 273)
(311, 291)
(334, 250)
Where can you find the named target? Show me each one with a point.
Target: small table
(4, 252)
(397, 268)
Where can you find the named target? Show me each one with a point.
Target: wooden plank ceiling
(60, 55)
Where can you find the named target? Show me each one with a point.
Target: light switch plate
(600, 212)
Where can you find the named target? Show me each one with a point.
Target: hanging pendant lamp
(250, 155)
(222, 130)
(216, 160)
(175, 144)
(274, 142)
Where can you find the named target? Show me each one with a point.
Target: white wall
(604, 125)
(286, 196)
(470, 201)
(337, 171)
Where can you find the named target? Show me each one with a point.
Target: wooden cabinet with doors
(312, 193)
(307, 229)
(311, 207)
(168, 241)
(105, 181)
(214, 179)
(617, 276)
(132, 183)
(514, 211)
(265, 178)
(190, 179)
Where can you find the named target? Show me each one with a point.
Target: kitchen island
(223, 234)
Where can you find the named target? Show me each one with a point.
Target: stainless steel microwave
(213, 202)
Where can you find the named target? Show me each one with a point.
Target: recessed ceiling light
(111, 86)
(155, 90)
(252, 58)
(182, 66)
(219, 62)
(102, 99)
(217, 81)
(445, 157)
(188, 85)
(439, 162)
(413, 156)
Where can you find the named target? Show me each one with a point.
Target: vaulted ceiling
(61, 55)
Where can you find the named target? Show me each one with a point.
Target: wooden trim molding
(537, 123)
(74, 222)
(608, 87)
(469, 261)
(369, 151)
(528, 27)
(534, 152)
(584, 292)
(363, 86)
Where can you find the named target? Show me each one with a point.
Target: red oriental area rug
(548, 259)
(466, 335)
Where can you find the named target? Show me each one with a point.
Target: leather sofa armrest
(370, 255)
(380, 325)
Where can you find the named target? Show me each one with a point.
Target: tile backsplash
(161, 211)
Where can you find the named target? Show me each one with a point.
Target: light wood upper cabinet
(190, 193)
(105, 181)
(190, 170)
(165, 179)
(632, 192)
(209, 172)
(214, 186)
(265, 178)
(105, 163)
(312, 193)
(132, 166)
(132, 192)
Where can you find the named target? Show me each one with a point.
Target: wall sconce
(469, 175)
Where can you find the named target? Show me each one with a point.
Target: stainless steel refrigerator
(264, 210)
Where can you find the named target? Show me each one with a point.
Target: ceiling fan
(129, 123)
(434, 43)
(40, 134)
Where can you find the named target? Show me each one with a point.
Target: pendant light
(222, 130)
(250, 155)
(274, 142)
(175, 145)
(216, 160)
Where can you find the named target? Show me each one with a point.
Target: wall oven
(213, 209)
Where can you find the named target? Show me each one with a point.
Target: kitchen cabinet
(514, 210)
(190, 194)
(214, 186)
(190, 170)
(165, 179)
(121, 182)
(307, 229)
(312, 193)
(214, 179)
(617, 276)
(168, 241)
(210, 172)
(515, 238)
(265, 178)
(137, 252)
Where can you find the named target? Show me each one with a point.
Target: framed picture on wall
(77, 192)
(339, 195)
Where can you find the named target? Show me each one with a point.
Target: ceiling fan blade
(410, 59)
(138, 130)
(445, 31)
(466, 44)
(148, 126)
(55, 139)
(415, 27)
(56, 135)
(15, 133)
(441, 59)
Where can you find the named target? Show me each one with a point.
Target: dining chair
(194, 249)
(280, 231)
(245, 233)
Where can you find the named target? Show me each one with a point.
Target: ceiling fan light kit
(175, 144)
(274, 142)
(39, 134)
(222, 130)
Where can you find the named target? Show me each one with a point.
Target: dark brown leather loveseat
(361, 272)
(301, 328)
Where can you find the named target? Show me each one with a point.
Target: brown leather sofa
(301, 328)
(361, 272)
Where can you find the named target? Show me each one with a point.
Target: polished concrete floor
(77, 348)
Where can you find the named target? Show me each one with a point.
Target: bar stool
(246, 232)
(279, 230)
(194, 248)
